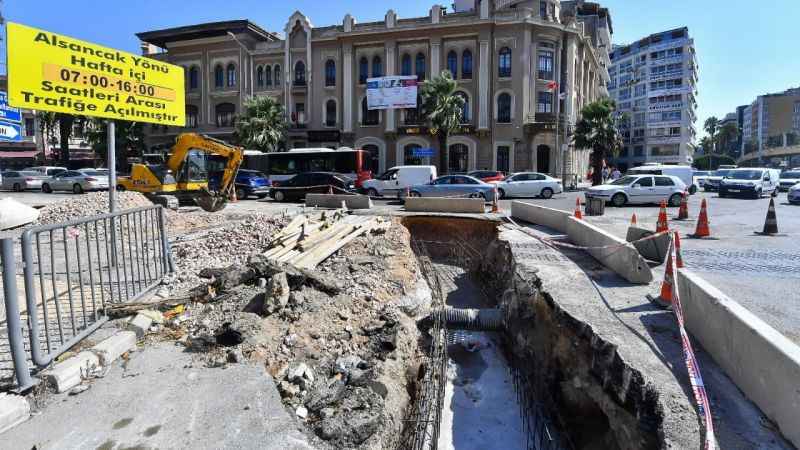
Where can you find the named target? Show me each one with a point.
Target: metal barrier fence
(71, 271)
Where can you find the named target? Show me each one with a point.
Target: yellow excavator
(185, 176)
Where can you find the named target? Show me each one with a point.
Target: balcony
(667, 75)
(670, 91)
(667, 60)
(665, 105)
(670, 139)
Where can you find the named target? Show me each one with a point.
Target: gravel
(87, 205)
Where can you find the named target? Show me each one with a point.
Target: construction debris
(87, 205)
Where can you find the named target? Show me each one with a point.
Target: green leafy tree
(598, 129)
(262, 124)
(443, 109)
(727, 135)
(128, 139)
(706, 145)
(711, 125)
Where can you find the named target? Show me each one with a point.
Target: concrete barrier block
(113, 347)
(555, 219)
(762, 362)
(14, 410)
(335, 201)
(445, 205)
(68, 374)
(140, 324)
(653, 249)
(623, 258)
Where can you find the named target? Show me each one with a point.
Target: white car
(789, 179)
(639, 189)
(794, 194)
(395, 180)
(529, 184)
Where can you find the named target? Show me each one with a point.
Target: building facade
(654, 82)
(503, 54)
(771, 130)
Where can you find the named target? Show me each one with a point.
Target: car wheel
(546, 193)
(17, 187)
(47, 189)
(501, 193)
(775, 193)
(693, 190)
(77, 189)
(372, 192)
(279, 196)
(241, 194)
(619, 200)
(758, 194)
(414, 194)
(675, 200)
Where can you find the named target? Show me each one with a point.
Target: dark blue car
(248, 183)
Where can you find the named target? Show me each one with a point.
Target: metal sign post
(112, 184)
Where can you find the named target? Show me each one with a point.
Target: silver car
(22, 180)
(77, 181)
(454, 186)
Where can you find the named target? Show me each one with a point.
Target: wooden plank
(320, 248)
(324, 251)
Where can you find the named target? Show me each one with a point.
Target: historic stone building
(505, 56)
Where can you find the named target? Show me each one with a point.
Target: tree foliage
(443, 108)
(598, 129)
(712, 162)
(262, 124)
(128, 139)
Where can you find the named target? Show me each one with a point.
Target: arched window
(410, 159)
(413, 116)
(504, 108)
(466, 65)
(330, 73)
(330, 113)
(363, 70)
(278, 77)
(466, 111)
(192, 114)
(452, 63)
(231, 75)
(268, 76)
(504, 63)
(219, 76)
(458, 158)
(260, 77)
(300, 73)
(373, 161)
(194, 78)
(377, 67)
(225, 113)
(420, 66)
(405, 65)
(369, 116)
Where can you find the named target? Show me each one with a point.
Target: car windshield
(721, 173)
(624, 181)
(252, 173)
(790, 175)
(745, 175)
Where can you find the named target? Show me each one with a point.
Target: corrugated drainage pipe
(474, 319)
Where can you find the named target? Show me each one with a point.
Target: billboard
(52, 72)
(395, 92)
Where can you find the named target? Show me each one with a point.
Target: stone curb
(14, 409)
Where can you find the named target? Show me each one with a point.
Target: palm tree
(443, 109)
(711, 125)
(726, 135)
(706, 145)
(598, 129)
(262, 125)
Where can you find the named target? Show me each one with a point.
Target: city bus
(281, 166)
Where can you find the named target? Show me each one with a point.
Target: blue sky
(744, 48)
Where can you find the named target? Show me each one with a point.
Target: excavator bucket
(211, 201)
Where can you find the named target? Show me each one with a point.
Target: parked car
(301, 184)
(712, 181)
(77, 181)
(752, 182)
(685, 173)
(794, 194)
(488, 176)
(395, 180)
(453, 186)
(639, 189)
(22, 180)
(529, 184)
(700, 177)
(789, 179)
(247, 183)
(48, 170)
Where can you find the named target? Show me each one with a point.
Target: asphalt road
(761, 273)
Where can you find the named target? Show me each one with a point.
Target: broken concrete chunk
(277, 294)
(326, 395)
(345, 364)
(288, 389)
(302, 412)
(301, 375)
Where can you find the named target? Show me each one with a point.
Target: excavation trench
(512, 370)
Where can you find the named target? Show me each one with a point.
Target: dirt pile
(87, 205)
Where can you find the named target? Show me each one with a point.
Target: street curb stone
(113, 347)
(14, 410)
(68, 374)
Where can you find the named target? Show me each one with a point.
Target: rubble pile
(333, 338)
(87, 205)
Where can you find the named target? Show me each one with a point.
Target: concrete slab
(113, 347)
(14, 409)
(140, 324)
(335, 201)
(161, 398)
(68, 374)
(653, 249)
(555, 219)
(622, 258)
(447, 205)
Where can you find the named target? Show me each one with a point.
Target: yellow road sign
(51, 72)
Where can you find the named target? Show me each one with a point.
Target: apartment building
(771, 130)
(654, 82)
(504, 55)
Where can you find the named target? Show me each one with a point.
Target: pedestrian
(605, 174)
(616, 174)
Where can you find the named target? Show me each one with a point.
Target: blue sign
(10, 132)
(7, 112)
(423, 152)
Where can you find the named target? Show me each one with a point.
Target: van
(684, 173)
(397, 179)
(49, 171)
(752, 182)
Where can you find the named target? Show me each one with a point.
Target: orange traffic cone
(662, 224)
(634, 221)
(665, 298)
(771, 224)
(495, 207)
(683, 212)
(702, 229)
(578, 213)
(678, 257)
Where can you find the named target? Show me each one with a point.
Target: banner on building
(51, 72)
(396, 92)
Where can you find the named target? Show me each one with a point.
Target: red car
(488, 176)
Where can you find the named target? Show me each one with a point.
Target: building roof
(160, 38)
(584, 8)
(656, 38)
